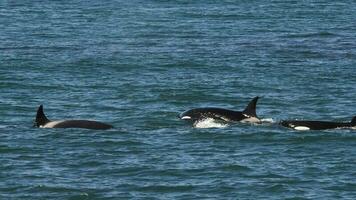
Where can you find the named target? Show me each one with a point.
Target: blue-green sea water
(138, 64)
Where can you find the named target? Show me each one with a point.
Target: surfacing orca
(317, 125)
(221, 114)
(43, 122)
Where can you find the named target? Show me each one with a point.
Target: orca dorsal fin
(353, 121)
(41, 118)
(250, 110)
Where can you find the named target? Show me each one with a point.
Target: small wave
(3, 126)
(166, 188)
(209, 123)
(311, 35)
(236, 167)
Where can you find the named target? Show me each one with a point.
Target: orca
(42, 121)
(317, 125)
(224, 115)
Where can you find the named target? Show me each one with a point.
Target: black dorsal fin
(250, 110)
(353, 121)
(41, 118)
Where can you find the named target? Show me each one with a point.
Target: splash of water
(209, 123)
(268, 120)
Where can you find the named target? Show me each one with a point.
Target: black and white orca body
(43, 122)
(248, 115)
(317, 125)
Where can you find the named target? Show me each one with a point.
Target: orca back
(43, 122)
(314, 125)
(87, 124)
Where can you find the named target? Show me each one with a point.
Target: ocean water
(138, 64)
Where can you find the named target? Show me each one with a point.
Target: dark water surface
(138, 64)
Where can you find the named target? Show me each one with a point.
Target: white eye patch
(301, 128)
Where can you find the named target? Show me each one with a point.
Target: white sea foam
(209, 123)
(268, 120)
